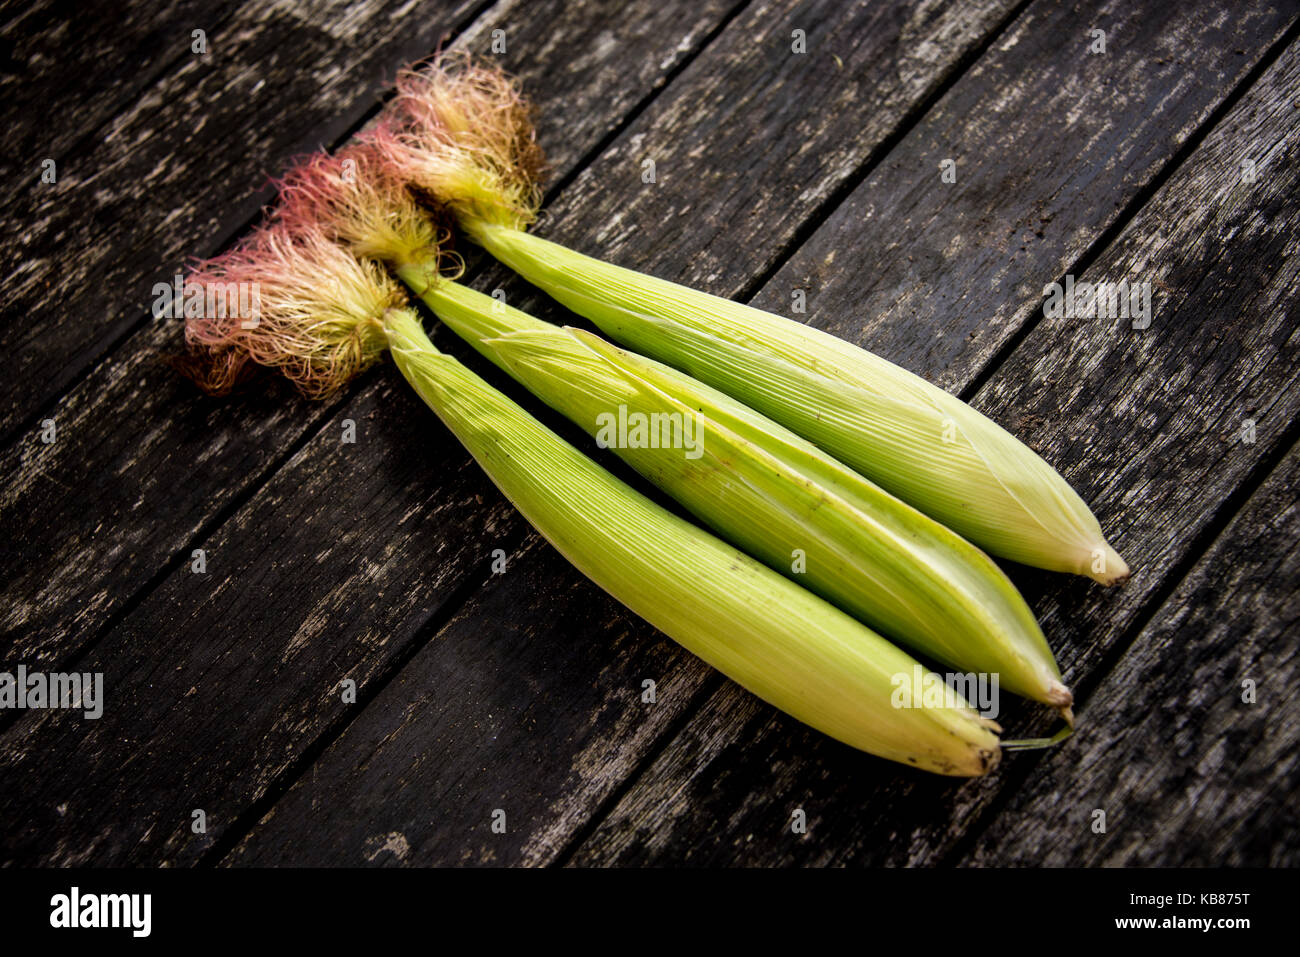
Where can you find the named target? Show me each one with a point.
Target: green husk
(781, 642)
(915, 440)
(774, 495)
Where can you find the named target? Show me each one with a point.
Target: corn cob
(325, 316)
(781, 642)
(464, 137)
(774, 495)
(757, 484)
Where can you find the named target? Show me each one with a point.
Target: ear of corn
(781, 642)
(773, 494)
(463, 133)
(914, 439)
(325, 316)
(758, 484)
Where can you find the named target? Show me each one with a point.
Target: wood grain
(76, 72)
(1052, 144)
(220, 679)
(511, 706)
(1187, 772)
(133, 478)
(179, 171)
(1144, 424)
(753, 140)
(142, 465)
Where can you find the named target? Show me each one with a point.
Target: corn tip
(1059, 696)
(1108, 568)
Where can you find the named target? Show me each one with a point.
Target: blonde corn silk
(318, 318)
(323, 291)
(462, 132)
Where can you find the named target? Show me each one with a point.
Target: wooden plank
(180, 171)
(277, 630)
(219, 680)
(254, 766)
(128, 493)
(569, 797)
(1186, 771)
(755, 140)
(66, 75)
(510, 707)
(1143, 423)
(1051, 144)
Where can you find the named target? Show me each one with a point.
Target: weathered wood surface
(180, 171)
(1053, 145)
(753, 143)
(421, 548)
(523, 691)
(149, 629)
(220, 680)
(513, 706)
(64, 77)
(1188, 768)
(129, 492)
(1145, 423)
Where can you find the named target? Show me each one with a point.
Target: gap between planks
(1222, 518)
(224, 241)
(1257, 473)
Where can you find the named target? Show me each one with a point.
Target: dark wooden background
(522, 692)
